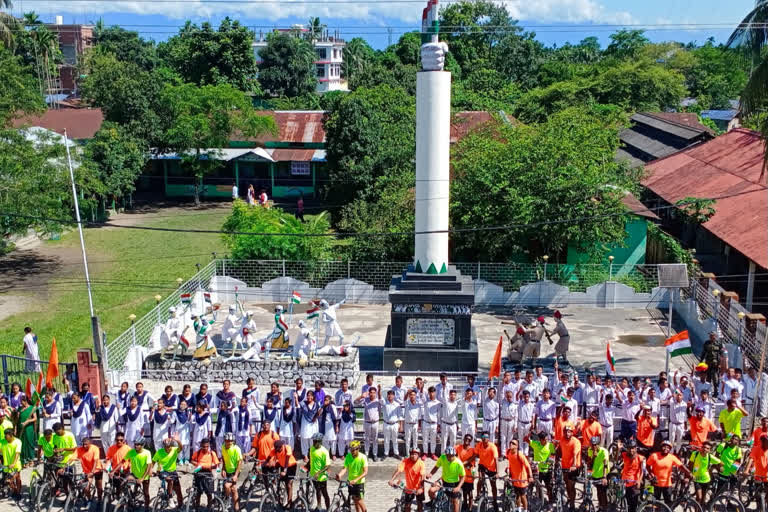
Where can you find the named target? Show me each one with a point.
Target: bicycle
(484, 501)
(194, 494)
(113, 486)
(162, 501)
(42, 486)
(441, 503)
(306, 488)
(274, 493)
(77, 497)
(400, 501)
(647, 502)
(587, 504)
(222, 502)
(130, 494)
(252, 484)
(533, 494)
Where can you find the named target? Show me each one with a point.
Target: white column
(750, 285)
(433, 140)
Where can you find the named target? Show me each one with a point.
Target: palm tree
(9, 25)
(751, 37)
(31, 19)
(316, 29)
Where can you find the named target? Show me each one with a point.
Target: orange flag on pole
(53, 365)
(495, 370)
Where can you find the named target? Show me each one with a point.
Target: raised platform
(431, 322)
(331, 369)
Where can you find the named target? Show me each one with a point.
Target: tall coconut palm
(316, 29)
(9, 25)
(31, 19)
(751, 37)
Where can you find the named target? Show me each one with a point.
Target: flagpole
(669, 328)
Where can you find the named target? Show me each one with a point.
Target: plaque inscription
(430, 331)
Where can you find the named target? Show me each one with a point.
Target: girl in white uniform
(272, 415)
(82, 422)
(163, 423)
(346, 428)
(51, 411)
(201, 426)
(329, 425)
(133, 420)
(107, 417)
(286, 423)
(243, 426)
(182, 425)
(310, 413)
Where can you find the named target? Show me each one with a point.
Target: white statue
(332, 327)
(169, 338)
(433, 56)
(305, 343)
(248, 330)
(229, 330)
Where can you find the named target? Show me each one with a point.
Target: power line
(384, 234)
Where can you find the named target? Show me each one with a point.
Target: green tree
(127, 94)
(9, 25)
(38, 48)
(408, 48)
(315, 29)
(247, 219)
(530, 175)
(203, 119)
(18, 90)
(717, 75)
(370, 133)
(626, 44)
(207, 56)
(126, 46)
(287, 66)
(358, 55)
(117, 158)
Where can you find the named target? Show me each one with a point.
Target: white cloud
(556, 11)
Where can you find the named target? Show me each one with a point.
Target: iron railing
(16, 370)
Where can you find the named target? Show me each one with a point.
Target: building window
(320, 70)
(320, 53)
(300, 168)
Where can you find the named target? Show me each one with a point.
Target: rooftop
(729, 166)
(80, 123)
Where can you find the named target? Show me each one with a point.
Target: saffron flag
(495, 370)
(186, 298)
(296, 298)
(679, 345)
(610, 362)
(28, 389)
(53, 365)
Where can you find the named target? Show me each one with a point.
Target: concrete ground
(637, 341)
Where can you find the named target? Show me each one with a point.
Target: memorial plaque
(430, 331)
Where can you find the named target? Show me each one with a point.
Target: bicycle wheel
(219, 505)
(189, 500)
(747, 492)
(270, 504)
(586, 506)
(536, 497)
(44, 498)
(309, 494)
(686, 504)
(300, 505)
(725, 502)
(653, 506)
(485, 504)
(160, 503)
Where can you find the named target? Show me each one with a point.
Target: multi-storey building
(329, 51)
(74, 40)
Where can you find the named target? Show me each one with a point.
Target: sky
(379, 22)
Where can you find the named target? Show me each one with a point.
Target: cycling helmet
(279, 444)
(594, 439)
(140, 440)
(450, 451)
(317, 437)
(354, 445)
(229, 436)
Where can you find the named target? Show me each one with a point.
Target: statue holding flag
(278, 338)
(204, 347)
(332, 327)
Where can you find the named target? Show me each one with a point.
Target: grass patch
(136, 266)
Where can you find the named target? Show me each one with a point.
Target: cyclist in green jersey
(453, 475)
(319, 463)
(45, 445)
(731, 454)
(701, 461)
(543, 451)
(166, 457)
(232, 460)
(10, 447)
(141, 466)
(600, 465)
(64, 444)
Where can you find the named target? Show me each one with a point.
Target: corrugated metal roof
(467, 120)
(666, 125)
(648, 145)
(79, 123)
(720, 115)
(634, 205)
(224, 154)
(689, 119)
(297, 126)
(292, 155)
(728, 165)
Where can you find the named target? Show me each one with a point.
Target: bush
(248, 219)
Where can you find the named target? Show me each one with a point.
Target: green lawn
(140, 264)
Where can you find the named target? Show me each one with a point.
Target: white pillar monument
(433, 140)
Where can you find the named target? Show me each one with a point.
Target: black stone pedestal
(431, 322)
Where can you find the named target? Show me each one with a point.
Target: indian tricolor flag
(610, 362)
(186, 298)
(184, 341)
(679, 345)
(313, 312)
(207, 297)
(296, 298)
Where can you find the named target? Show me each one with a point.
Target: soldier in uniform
(712, 352)
(561, 347)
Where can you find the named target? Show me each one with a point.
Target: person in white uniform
(183, 429)
(546, 410)
(372, 405)
(162, 423)
(332, 327)
(106, 419)
(346, 435)
(468, 408)
(286, 416)
(430, 415)
(82, 421)
(449, 416)
(525, 411)
(31, 351)
(508, 415)
(201, 426)
(411, 420)
(392, 415)
(51, 411)
(678, 419)
(133, 420)
(491, 414)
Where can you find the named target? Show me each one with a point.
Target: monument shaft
(433, 139)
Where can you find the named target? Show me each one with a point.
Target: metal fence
(140, 331)
(19, 369)
(510, 276)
